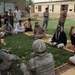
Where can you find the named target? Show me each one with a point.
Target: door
(39, 8)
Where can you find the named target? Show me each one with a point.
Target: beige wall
(71, 6)
(57, 6)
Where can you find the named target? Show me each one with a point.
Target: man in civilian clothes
(46, 17)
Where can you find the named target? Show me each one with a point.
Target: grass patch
(21, 45)
(52, 24)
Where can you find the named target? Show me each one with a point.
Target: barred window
(39, 8)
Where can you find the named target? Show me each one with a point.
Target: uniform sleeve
(31, 65)
(51, 56)
(65, 13)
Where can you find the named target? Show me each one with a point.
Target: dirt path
(68, 47)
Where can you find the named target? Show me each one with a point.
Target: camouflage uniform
(43, 63)
(6, 60)
(62, 18)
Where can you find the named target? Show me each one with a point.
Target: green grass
(21, 45)
(53, 24)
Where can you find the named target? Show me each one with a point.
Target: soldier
(6, 60)
(42, 63)
(63, 16)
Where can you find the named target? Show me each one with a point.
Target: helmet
(39, 46)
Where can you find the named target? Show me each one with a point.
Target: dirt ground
(70, 46)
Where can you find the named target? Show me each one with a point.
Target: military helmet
(39, 46)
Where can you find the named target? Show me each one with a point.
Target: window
(52, 8)
(39, 8)
(36, 7)
(70, 9)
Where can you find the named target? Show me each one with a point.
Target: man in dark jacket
(59, 38)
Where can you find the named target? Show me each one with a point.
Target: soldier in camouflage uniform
(42, 63)
(63, 16)
(6, 60)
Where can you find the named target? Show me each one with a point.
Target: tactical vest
(44, 65)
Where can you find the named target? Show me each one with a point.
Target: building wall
(71, 7)
(57, 7)
(20, 3)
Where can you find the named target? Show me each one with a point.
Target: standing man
(11, 17)
(6, 17)
(63, 15)
(46, 17)
(17, 13)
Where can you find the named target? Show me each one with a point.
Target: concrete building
(5, 5)
(55, 7)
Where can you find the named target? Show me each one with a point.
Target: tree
(29, 2)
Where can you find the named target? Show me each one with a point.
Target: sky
(44, 0)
